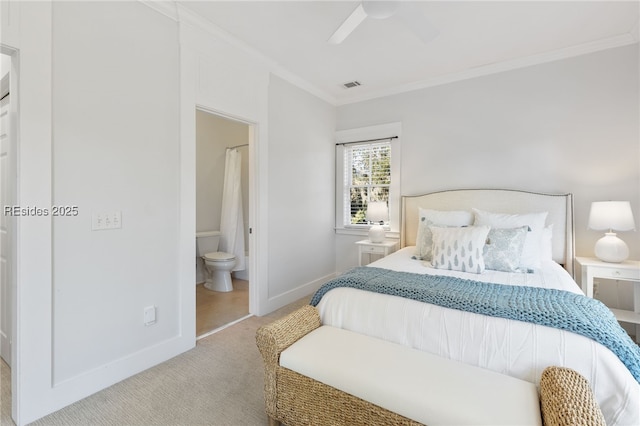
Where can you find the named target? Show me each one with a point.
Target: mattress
(518, 349)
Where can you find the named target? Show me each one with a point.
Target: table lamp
(377, 214)
(611, 216)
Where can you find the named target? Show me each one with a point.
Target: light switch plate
(101, 221)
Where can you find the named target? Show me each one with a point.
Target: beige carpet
(219, 382)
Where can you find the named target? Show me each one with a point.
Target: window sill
(364, 232)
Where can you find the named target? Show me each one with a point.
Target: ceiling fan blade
(417, 22)
(350, 24)
(380, 9)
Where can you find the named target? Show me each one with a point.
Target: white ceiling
(476, 38)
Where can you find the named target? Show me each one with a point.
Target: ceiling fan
(378, 9)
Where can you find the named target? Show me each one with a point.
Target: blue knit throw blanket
(554, 308)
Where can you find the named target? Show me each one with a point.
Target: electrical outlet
(149, 315)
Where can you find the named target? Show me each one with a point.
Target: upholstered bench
(318, 375)
(418, 385)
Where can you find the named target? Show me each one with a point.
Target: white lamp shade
(377, 211)
(611, 215)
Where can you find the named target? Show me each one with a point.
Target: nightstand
(381, 249)
(629, 270)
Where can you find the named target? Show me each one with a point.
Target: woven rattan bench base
(305, 401)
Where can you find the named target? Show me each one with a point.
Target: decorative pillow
(459, 249)
(530, 258)
(503, 248)
(427, 217)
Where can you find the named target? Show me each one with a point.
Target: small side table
(383, 249)
(629, 270)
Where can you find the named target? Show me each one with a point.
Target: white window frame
(362, 134)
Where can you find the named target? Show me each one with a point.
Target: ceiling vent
(351, 84)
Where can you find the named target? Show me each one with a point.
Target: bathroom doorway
(215, 135)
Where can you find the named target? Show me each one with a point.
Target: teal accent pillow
(503, 248)
(459, 249)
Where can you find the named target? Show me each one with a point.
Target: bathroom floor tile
(215, 309)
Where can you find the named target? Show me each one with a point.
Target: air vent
(351, 84)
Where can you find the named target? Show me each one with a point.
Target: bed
(502, 344)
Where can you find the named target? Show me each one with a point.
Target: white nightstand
(629, 270)
(382, 249)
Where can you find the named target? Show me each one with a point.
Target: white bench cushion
(418, 385)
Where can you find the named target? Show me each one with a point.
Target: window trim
(365, 133)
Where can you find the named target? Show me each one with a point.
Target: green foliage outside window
(370, 178)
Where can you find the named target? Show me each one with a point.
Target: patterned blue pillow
(459, 249)
(530, 258)
(503, 248)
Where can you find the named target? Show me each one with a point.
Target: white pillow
(459, 249)
(546, 243)
(531, 255)
(428, 217)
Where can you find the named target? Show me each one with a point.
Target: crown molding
(498, 67)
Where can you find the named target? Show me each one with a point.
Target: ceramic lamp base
(612, 249)
(376, 234)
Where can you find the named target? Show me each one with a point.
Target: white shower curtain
(231, 221)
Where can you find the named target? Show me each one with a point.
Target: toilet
(217, 264)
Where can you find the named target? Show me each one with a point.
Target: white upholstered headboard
(559, 207)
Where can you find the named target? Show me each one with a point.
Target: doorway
(7, 195)
(215, 136)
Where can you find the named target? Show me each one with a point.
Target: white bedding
(511, 347)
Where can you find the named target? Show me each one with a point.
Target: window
(367, 178)
(367, 171)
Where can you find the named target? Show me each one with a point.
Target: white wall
(98, 130)
(566, 126)
(115, 141)
(301, 191)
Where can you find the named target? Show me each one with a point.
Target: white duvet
(511, 347)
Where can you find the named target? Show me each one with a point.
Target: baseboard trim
(277, 302)
(66, 392)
